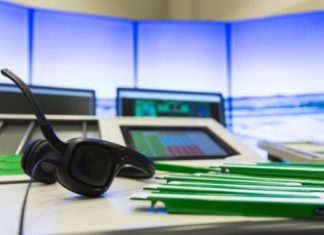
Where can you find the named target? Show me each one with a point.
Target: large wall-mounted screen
(180, 55)
(277, 77)
(82, 51)
(14, 40)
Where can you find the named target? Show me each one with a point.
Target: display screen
(82, 51)
(53, 100)
(158, 103)
(181, 54)
(170, 108)
(166, 143)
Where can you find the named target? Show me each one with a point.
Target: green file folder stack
(271, 190)
(10, 165)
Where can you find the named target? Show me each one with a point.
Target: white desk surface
(51, 209)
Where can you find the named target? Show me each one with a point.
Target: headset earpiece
(89, 166)
(36, 151)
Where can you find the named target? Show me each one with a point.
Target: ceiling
(225, 10)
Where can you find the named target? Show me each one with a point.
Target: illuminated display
(176, 143)
(176, 55)
(163, 103)
(14, 40)
(156, 108)
(277, 77)
(83, 51)
(278, 55)
(270, 67)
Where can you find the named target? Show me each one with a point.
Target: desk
(52, 209)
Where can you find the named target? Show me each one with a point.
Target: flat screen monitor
(161, 103)
(170, 143)
(53, 100)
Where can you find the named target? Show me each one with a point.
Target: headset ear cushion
(35, 152)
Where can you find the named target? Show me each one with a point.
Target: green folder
(10, 165)
(251, 187)
(299, 181)
(291, 164)
(275, 171)
(182, 169)
(305, 208)
(190, 178)
(180, 189)
(271, 190)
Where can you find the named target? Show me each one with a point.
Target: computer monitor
(162, 103)
(53, 100)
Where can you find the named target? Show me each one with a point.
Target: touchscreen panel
(180, 143)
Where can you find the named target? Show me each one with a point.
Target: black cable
(58, 145)
(22, 211)
(29, 96)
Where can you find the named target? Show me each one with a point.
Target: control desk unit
(52, 209)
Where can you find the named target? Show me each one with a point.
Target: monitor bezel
(125, 130)
(221, 98)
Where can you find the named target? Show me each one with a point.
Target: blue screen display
(82, 51)
(278, 56)
(277, 77)
(176, 144)
(182, 56)
(271, 67)
(14, 40)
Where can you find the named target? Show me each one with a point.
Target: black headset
(84, 166)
